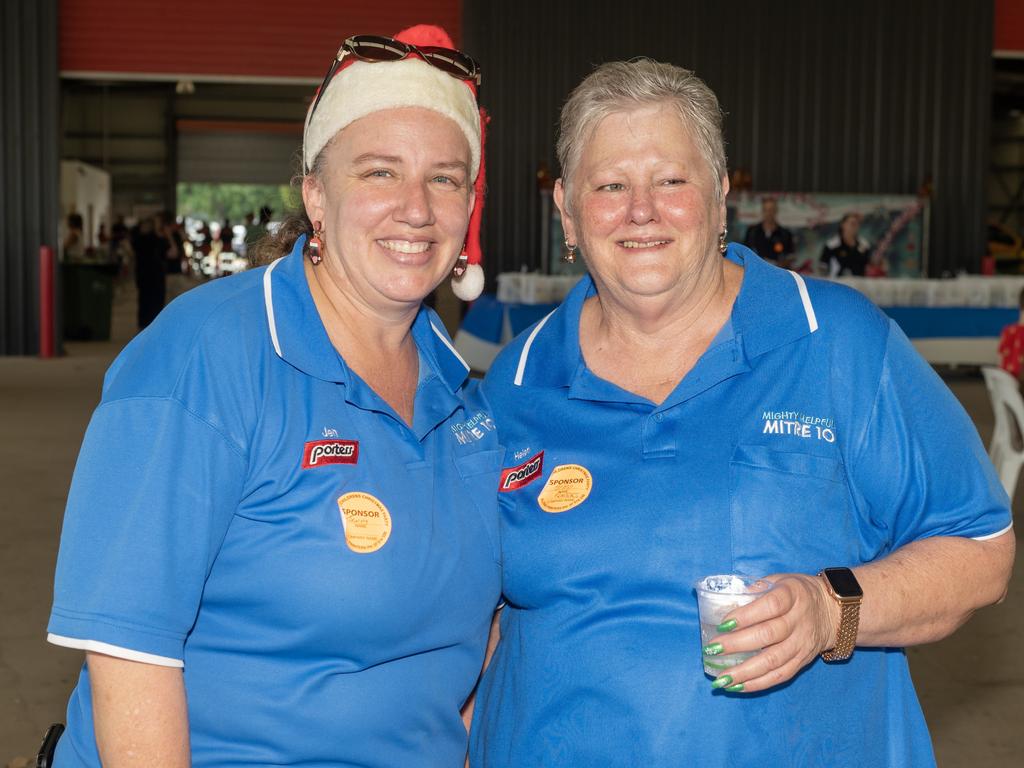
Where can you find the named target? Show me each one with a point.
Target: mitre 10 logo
(516, 477)
(321, 452)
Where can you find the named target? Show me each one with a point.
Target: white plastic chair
(1007, 447)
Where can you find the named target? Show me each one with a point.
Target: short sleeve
(154, 490)
(920, 466)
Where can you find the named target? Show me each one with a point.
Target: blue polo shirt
(246, 507)
(809, 435)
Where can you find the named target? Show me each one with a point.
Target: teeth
(638, 244)
(405, 246)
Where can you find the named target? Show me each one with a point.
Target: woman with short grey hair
(692, 410)
(621, 84)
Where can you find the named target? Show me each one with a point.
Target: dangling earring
(314, 249)
(460, 264)
(569, 257)
(722, 247)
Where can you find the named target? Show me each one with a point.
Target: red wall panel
(1009, 27)
(252, 39)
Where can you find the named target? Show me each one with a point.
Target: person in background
(280, 545)
(227, 234)
(769, 239)
(120, 243)
(1011, 344)
(689, 410)
(150, 246)
(254, 232)
(171, 232)
(74, 238)
(250, 237)
(846, 253)
(205, 237)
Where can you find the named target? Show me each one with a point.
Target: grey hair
(620, 86)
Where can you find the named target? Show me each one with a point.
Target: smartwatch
(843, 587)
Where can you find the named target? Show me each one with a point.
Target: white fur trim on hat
(366, 87)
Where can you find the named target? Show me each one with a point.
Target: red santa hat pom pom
(470, 285)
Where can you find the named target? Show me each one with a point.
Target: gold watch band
(846, 635)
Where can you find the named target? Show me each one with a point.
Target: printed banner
(892, 225)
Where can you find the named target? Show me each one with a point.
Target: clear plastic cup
(717, 596)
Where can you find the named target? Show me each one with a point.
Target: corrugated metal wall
(871, 96)
(254, 39)
(28, 164)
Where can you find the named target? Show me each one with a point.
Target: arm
(918, 472)
(139, 589)
(927, 589)
(140, 713)
(920, 593)
(834, 267)
(492, 643)
(786, 255)
(825, 263)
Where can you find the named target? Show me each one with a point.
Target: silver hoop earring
(722, 247)
(569, 257)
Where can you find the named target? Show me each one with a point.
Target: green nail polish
(724, 680)
(715, 665)
(727, 626)
(735, 688)
(712, 649)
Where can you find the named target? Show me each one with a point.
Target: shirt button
(659, 416)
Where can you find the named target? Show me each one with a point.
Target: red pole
(46, 340)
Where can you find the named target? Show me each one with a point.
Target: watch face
(843, 582)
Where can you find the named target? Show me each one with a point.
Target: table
(950, 322)
(490, 324)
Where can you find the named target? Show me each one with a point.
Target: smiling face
(394, 200)
(644, 209)
(849, 227)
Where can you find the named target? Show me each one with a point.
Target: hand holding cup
(769, 637)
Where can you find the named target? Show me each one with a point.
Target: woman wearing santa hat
(280, 544)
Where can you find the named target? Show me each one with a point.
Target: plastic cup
(717, 596)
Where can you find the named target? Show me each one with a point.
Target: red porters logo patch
(524, 474)
(321, 452)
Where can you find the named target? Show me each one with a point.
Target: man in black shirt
(768, 238)
(150, 247)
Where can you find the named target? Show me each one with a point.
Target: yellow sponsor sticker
(366, 521)
(567, 486)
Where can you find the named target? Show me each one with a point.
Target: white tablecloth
(965, 291)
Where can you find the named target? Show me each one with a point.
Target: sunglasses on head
(374, 48)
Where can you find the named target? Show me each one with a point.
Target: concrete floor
(971, 685)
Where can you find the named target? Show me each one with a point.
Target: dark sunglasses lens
(452, 62)
(370, 48)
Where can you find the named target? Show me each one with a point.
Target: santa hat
(360, 88)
